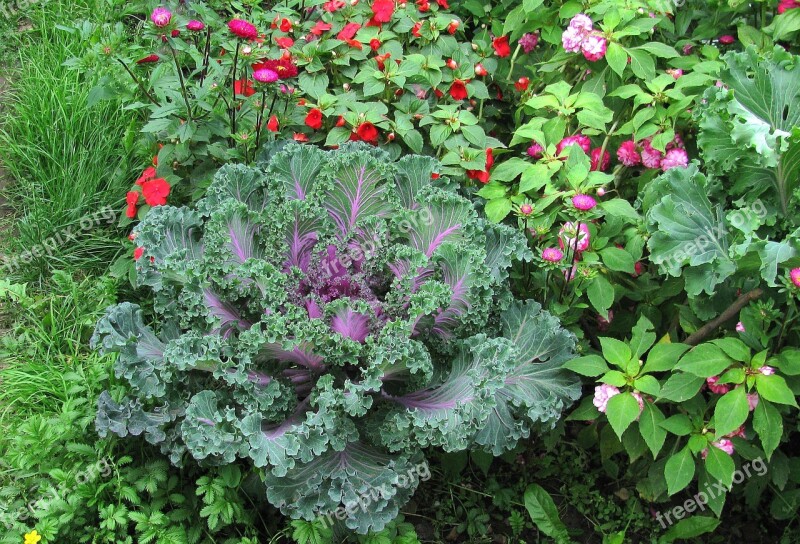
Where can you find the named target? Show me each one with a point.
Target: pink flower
(627, 153)
(526, 209)
(738, 432)
(675, 72)
(794, 276)
(597, 164)
(675, 158)
(195, 26)
(552, 255)
(687, 49)
(786, 5)
(726, 39)
(725, 445)
(243, 29)
(579, 139)
(602, 393)
(594, 47)
(752, 401)
(161, 17)
(571, 39)
(718, 389)
(568, 233)
(740, 327)
(265, 75)
(529, 41)
(640, 400)
(535, 150)
(583, 202)
(582, 23)
(651, 157)
(767, 370)
(638, 269)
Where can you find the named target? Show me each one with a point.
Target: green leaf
(315, 85)
(534, 178)
(497, 209)
(774, 389)
(621, 411)
(720, 465)
(650, 427)
(768, 423)
(617, 58)
(510, 169)
(615, 351)
(734, 348)
(642, 64)
(601, 295)
(642, 338)
(619, 207)
(730, 412)
(589, 365)
(618, 259)
(681, 386)
(543, 512)
(690, 528)
(679, 471)
(704, 360)
(647, 384)
(664, 356)
(660, 50)
(679, 425)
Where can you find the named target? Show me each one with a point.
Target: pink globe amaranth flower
(529, 41)
(628, 155)
(583, 202)
(597, 164)
(675, 158)
(786, 5)
(571, 39)
(526, 209)
(552, 255)
(676, 73)
(265, 75)
(602, 393)
(794, 276)
(718, 389)
(243, 29)
(740, 327)
(161, 17)
(572, 238)
(687, 49)
(651, 157)
(594, 47)
(195, 26)
(579, 139)
(767, 370)
(582, 22)
(535, 150)
(752, 401)
(726, 39)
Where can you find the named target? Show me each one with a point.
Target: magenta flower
(583, 202)
(265, 75)
(651, 157)
(740, 327)
(535, 150)
(571, 39)
(752, 401)
(602, 393)
(767, 370)
(675, 158)
(786, 5)
(594, 47)
(579, 139)
(628, 155)
(243, 29)
(718, 389)
(597, 164)
(687, 49)
(582, 23)
(724, 444)
(526, 209)
(577, 239)
(529, 41)
(726, 39)
(161, 17)
(676, 73)
(195, 26)
(794, 275)
(552, 255)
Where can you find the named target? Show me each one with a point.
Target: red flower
(340, 122)
(483, 175)
(416, 28)
(333, 5)
(272, 124)
(367, 132)
(355, 44)
(727, 39)
(284, 43)
(286, 25)
(480, 71)
(382, 11)
(243, 29)
(453, 27)
(458, 90)
(284, 67)
(438, 93)
(423, 6)
(314, 119)
(348, 32)
(155, 191)
(300, 137)
(137, 253)
(148, 174)
(148, 59)
(381, 59)
(245, 87)
(131, 199)
(435, 176)
(501, 47)
(320, 27)
(374, 44)
(522, 84)
(175, 33)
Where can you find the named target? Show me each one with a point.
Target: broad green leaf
(679, 470)
(730, 412)
(768, 423)
(643, 337)
(650, 427)
(589, 365)
(681, 386)
(679, 425)
(774, 389)
(621, 411)
(543, 512)
(664, 357)
(720, 466)
(642, 64)
(690, 527)
(497, 209)
(617, 58)
(704, 360)
(615, 351)
(601, 295)
(617, 259)
(734, 348)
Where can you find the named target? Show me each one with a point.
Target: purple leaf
(357, 193)
(351, 324)
(226, 313)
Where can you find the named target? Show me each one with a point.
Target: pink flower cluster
(581, 36)
(723, 443)
(161, 17)
(794, 276)
(574, 238)
(632, 154)
(604, 392)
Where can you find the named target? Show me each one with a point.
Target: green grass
(67, 161)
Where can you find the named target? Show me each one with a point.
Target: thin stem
(513, 61)
(729, 313)
(183, 83)
(139, 83)
(206, 56)
(233, 90)
(260, 117)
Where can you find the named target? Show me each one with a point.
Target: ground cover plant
(489, 216)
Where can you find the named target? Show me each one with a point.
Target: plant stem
(233, 90)
(513, 61)
(206, 56)
(139, 83)
(260, 117)
(728, 314)
(183, 83)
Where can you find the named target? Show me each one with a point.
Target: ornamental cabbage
(329, 315)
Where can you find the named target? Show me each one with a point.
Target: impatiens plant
(329, 316)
